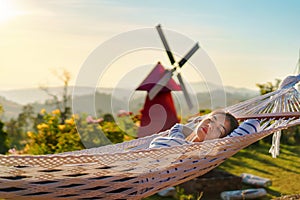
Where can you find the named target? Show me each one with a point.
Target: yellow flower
(61, 127)
(56, 112)
(43, 111)
(42, 126)
(127, 138)
(75, 116)
(29, 134)
(69, 121)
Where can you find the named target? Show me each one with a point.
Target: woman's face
(212, 127)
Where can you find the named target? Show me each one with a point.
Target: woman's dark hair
(233, 121)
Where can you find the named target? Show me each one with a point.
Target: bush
(52, 136)
(3, 139)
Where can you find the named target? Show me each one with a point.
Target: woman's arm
(186, 131)
(180, 131)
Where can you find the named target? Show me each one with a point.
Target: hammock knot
(275, 148)
(289, 82)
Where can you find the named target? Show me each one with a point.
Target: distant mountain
(210, 87)
(37, 95)
(11, 109)
(98, 103)
(106, 100)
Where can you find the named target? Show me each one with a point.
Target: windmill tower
(161, 108)
(159, 112)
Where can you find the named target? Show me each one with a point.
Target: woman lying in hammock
(217, 124)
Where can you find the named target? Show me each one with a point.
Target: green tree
(3, 136)
(3, 139)
(17, 128)
(26, 118)
(62, 103)
(268, 87)
(108, 117)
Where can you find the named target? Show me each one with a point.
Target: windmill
(159, 112)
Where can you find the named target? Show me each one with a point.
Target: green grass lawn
(284, 171)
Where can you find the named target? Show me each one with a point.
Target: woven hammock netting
(130, 170)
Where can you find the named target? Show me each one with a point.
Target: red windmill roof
(155, 75)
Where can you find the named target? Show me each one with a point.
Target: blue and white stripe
(247, 127)
(175, 138)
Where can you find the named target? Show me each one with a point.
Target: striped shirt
(175, 138)
(247, 127)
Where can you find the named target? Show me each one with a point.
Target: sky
(249, 42)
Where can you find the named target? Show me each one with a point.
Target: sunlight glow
(6, 10)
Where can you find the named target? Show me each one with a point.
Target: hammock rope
(131, 171)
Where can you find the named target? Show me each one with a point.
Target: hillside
(102, 101)
(11, 109)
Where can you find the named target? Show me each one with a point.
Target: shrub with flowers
(91, 132)
(128, 123)
(52, 136)
(102, 131)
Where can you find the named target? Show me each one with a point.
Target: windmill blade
(188, 55)
(185, 93)
(160, 84)
(164, 41)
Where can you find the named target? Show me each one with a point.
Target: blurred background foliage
(60, 131)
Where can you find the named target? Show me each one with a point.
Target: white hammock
(131, 171)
